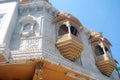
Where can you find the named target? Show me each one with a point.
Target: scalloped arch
(28, 18)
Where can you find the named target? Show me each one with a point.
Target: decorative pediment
(28, 18)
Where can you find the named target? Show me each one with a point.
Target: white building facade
(29, 32)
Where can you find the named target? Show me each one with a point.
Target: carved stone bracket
(38, 71)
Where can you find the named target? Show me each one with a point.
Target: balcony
(69, 46)
(105, 64)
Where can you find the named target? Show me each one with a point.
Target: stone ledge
(59, 61)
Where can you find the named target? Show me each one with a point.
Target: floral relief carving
(30, 44)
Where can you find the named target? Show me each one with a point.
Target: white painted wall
(7, 26)
(10, 11)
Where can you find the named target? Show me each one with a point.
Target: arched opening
(74, 31)
(27, 27)
(98, 50)
(36, 27)
(63, 30)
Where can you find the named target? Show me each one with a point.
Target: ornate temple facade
(40, 43)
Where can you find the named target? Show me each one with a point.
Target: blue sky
(99, 15)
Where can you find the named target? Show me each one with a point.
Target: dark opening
(98, 50)
(36, 26)
(63, 30)
(73, 31)
(108, 52)
(90, 37)
(27, 27)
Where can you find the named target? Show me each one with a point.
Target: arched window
(27, 27)
(63, 30)
(98, 50)
(74, 31)
(36, 27)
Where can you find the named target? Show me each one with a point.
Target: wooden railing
(62, 37)
(68, 36)
(103, 58)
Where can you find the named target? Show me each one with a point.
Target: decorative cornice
(35, 5)
(66, 16)
(97, 36)
(30, 1)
